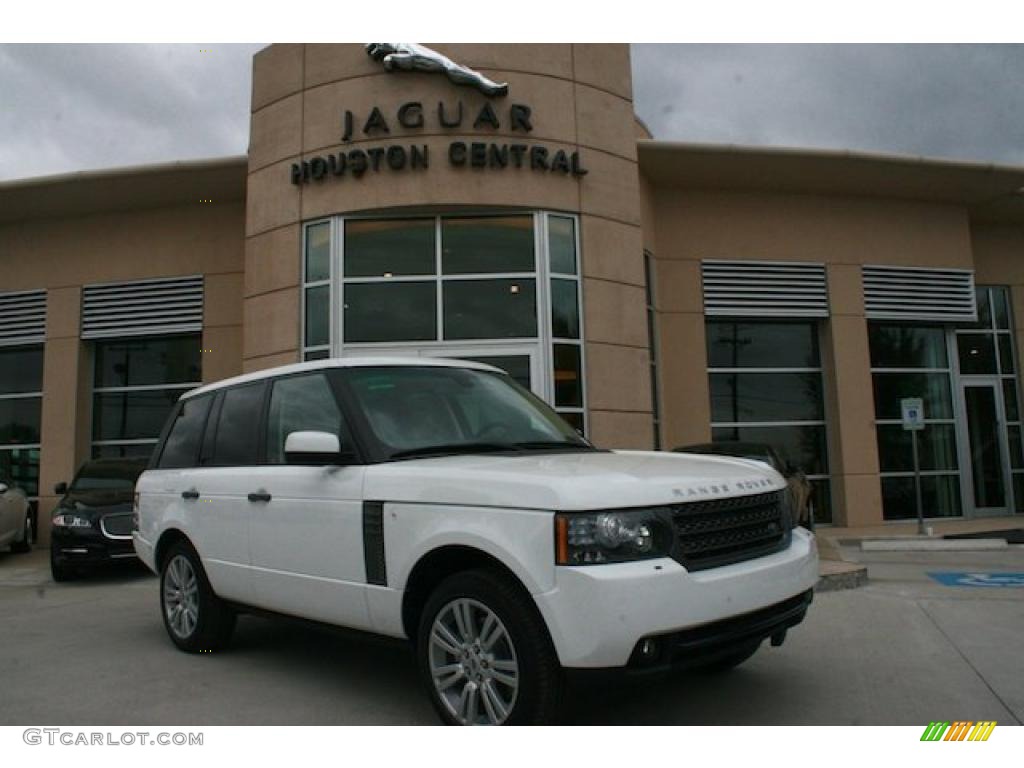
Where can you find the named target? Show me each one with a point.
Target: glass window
(565, 310)
(318, 314)
(1001, 308)
(145, 362)
(1006, 353)
(762, 345)
(802, 446)
(905, 346)
(562, 238)
(318, 252)
(132, 415)
(737, 397)
(182, 445)
(237, 437)
(1010, 399)
(21, 467)
(490, 309)
(21, 370)
(936, 448)
(932, 388)
(568, 376)
(977, 353)
(386, 247)
(982, 296)
(301, 403)
(487, 244)
(123, 451)
(19, 421)
(940, 496)
(399, 311)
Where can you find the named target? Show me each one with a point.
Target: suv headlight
(590, 538)
(71, 521)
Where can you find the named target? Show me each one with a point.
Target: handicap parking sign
(979, 579)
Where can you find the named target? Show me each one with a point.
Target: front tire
(59, 570)
(196, 620)
(485, 655)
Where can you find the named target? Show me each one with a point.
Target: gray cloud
(950, 101)
(73, 107)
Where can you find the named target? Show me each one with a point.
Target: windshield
(435, 410)
(107, 477)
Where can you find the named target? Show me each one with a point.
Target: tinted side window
(300, 403)
(182, 444)
(238, 427)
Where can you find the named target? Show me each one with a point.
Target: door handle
(191, 494)
(259, 496)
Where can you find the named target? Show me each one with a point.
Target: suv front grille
(723, 531)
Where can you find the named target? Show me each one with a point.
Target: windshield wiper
(542, 444)
(454, 448)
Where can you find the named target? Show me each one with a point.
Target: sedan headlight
(71, 521)
(591, 538)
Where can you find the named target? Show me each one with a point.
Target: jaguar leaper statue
(413, 57)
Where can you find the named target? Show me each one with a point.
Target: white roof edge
(342, 362)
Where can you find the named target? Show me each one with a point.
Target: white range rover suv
(440, 501)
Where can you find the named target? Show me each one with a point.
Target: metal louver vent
(22, 318)
(764, 288)
(910, 293)
(143, 307)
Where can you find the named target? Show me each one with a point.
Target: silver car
(15, 518)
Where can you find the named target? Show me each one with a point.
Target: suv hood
(569, 481)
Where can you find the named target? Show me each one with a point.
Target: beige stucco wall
(61, 255)
(842, 232)
(581, 100)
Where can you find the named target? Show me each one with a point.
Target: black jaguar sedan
(92, 524)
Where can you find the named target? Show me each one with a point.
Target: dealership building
(657, 294)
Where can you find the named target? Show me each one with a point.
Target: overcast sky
(74, 107)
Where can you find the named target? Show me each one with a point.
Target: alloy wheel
(473, 663)
(181, 596)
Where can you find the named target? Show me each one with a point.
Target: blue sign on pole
(979, 579)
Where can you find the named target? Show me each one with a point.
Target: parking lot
(903, 650)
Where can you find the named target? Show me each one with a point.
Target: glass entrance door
(986, 446)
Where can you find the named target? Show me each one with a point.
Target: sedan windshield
(433, 410)
(107, 476)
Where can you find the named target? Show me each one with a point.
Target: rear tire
(196, 620)
(485, 655)
(25, 545)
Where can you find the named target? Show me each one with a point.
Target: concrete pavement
(901, 650)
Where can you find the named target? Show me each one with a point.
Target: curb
(933, 545)
(841, 576)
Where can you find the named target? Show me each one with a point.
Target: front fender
(522, 540)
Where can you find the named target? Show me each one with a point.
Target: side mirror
(60, 488)
(3, 487)
(312, 448)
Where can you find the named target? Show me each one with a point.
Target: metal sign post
(912, 410)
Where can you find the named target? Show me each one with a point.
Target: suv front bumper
(598, 614)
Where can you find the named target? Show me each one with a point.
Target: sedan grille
(117, 526)
(722, 531)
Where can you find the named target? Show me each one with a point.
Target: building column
(65, 409)
(853, 447)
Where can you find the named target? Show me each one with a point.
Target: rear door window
(238, 426)
(182, 445)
